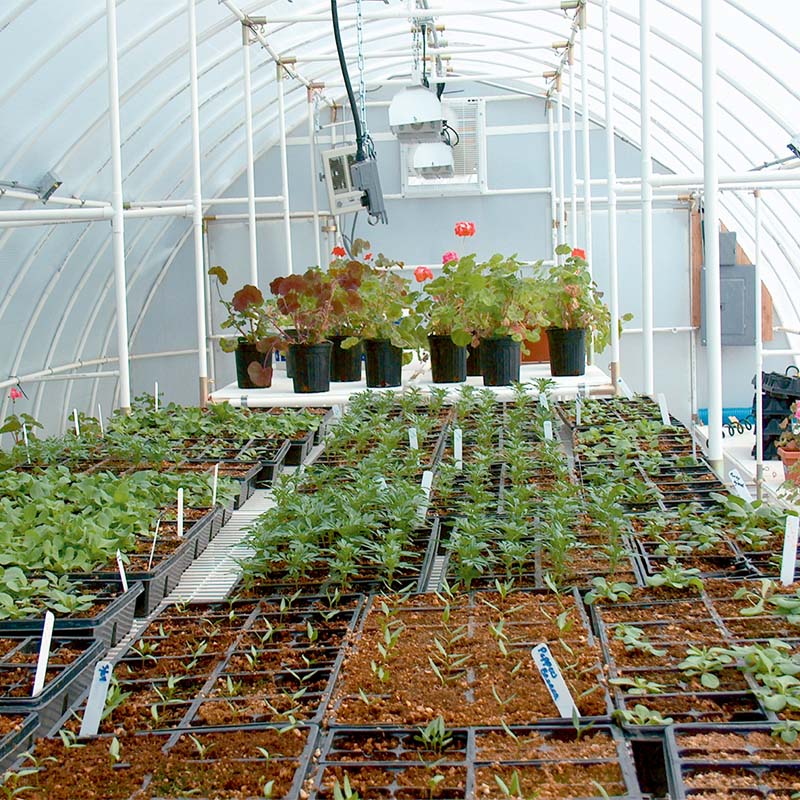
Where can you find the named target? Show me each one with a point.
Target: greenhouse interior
(400, 400)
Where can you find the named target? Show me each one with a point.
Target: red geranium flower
(339, 252)
(15, 393)
(578, 253)
(450, 255)
(367, 256)
(465, 228)
(423, 274)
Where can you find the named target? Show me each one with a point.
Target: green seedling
(435, 736)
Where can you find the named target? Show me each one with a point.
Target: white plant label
(44, 653)
(458, 448)
(624, 388)
(413, 439)
(180, 513)
(155, 397)
(100, 420)
(578, 405)
(25, 439)
(122, 576)
(153, 547)
(427, 482)
(554, 680)
(543, 400)
(584, 389)
(548, 430)
(662, 404)
(337, 411)
(214, 486)
(789, 558)
(97, 699)
(75, 420)
(739, 486)
(381, 482)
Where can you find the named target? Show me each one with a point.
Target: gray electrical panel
(737, 305)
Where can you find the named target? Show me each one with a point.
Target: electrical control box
(343, 196)
(737, 305)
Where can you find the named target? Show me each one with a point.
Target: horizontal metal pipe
(17, 194)
(75, 376)
(676, 329)
(207, 201)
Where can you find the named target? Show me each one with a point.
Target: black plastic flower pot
(448, 360)
(500, 361)
(567, 351)
(345, 364)
(289, 355)
(312, 367)
(384, 363)
(473, 361)
(246, 354)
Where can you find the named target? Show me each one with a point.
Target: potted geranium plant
(788, 444)
(313, 303)
(387, 322)
(506, 308)
(573, 306)
(247, 314)
(346, 362)
(446, 316)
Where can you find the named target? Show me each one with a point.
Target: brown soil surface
(753, 746)
(553, 780)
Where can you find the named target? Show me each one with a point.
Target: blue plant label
(662, 404)
(789, 559)
(739, 486)
(554, 680)
(97, 699)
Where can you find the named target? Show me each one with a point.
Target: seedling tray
(299, 449)
(19, 739)
(733, 761)
(108, 625)
(271, 454)
(60, 693)
(397, 762)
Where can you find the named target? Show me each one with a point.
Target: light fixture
(415, 115)
(434, 160)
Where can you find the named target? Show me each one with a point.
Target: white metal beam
(647, 199)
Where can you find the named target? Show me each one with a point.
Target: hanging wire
(362, 88)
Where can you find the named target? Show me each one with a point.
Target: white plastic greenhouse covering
(57, 293)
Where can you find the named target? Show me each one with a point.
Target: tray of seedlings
(69, 671)
(735, 761)
(467, 658)
(101, 611)
(435, 761)
(668, 656)
(251, 762)
(283, 665)
(17, 735)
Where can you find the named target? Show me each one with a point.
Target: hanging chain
(416, 49)
(362, 89)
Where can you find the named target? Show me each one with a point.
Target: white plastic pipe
(587, 166)
(573, 159)
(287, 223)
(197, 211)
(647, 199)
(118, 220)
(759, 355)
(251, 179)
(19, 194)
(312, 164)
(562, 189)
(613, 266)
(711, 229)
(553, 193)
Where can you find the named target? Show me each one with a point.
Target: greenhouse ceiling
(58, 300)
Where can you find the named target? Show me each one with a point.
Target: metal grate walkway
(212, 576)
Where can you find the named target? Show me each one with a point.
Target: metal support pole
(711, 228)
(613, 265)
(759, 357)
(573, 165)
(118, 220)
(553, 191)
(647, 199)
(209, 317)
(251, 179)
(312, 163)
(562, 189)
(287, 222)
(587, 162)
(197, 212)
